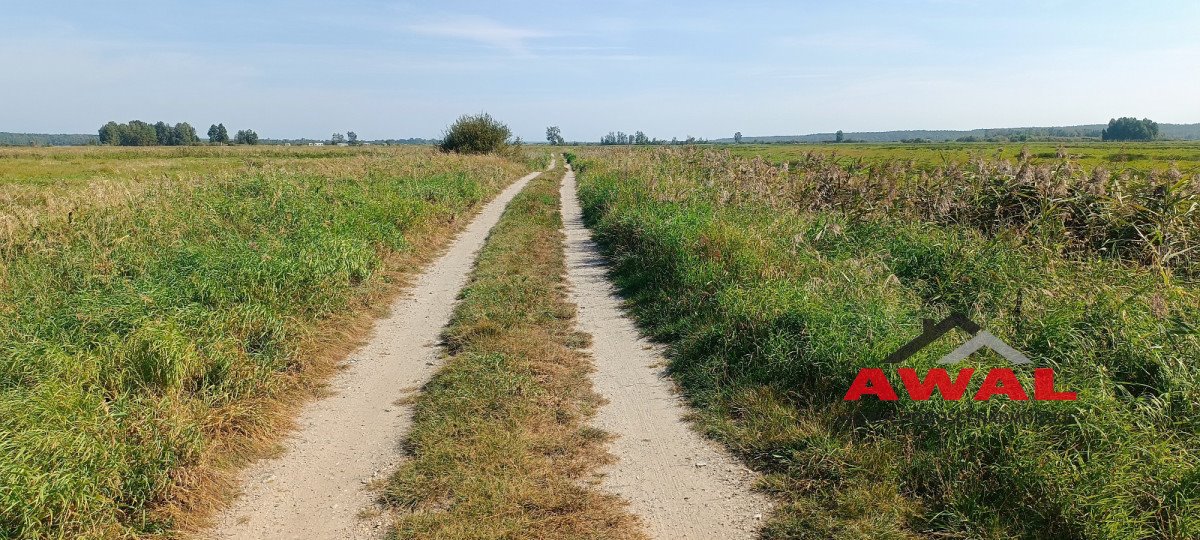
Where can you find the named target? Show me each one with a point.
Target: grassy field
(500, 446)
(158, 308)
(774, 284)
(1116, 157)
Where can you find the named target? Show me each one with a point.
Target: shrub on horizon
(477, 134)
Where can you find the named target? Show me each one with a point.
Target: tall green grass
(136, 334)
(772, 303)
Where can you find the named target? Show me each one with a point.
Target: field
(776, 272)
(162, 310)
(1116, 157)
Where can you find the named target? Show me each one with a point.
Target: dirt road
(680, 484)
(317, 488)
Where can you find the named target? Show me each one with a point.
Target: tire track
(681, 485)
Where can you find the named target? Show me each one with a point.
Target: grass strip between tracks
(500, 445)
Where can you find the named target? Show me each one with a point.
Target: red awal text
(997, 382)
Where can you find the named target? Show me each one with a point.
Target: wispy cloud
(487, 32)
(850, 40)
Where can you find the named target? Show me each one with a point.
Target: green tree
(184, 134)
(110, 133)
(246, 136)
(352, 138)
(839, 136)
(1128, 128)
(162, 133)
(476, 134)
(218, 134)
(737, 137)
(138, 133)
(336, 139)
(554, 136)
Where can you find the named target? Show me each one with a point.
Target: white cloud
(510, 38)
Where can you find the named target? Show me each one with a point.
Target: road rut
(681, 485)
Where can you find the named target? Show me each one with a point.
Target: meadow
(776, 272)
(163, 309)
(1116, 157)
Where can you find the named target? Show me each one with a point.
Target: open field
(161, 311)
(164, 311)
(377, 270)
(774, 285)
(1115, 157)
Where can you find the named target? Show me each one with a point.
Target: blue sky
(404, 69)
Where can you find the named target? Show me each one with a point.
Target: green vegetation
(500, 443)
(620, 137)
(1132, 158)
(477, 134)
(554, 136)
(160, 306)
(1130, 129)
(138, 133)
(218, 134)
(246, 136)
(774, 284)
(41, 139)
(1188, 132)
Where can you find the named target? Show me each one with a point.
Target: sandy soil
(680, 484)
(319, 486)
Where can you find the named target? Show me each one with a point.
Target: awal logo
(999, 381)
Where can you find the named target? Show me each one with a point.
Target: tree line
(139, 133)
(45, 139)
(640, 138)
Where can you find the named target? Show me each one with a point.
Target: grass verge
(500, 446)
(772, 301)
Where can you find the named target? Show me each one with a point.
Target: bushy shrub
(476, 134)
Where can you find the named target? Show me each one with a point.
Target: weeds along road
(678, 483)
(320, 484)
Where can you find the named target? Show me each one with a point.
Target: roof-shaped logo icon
(980, 338)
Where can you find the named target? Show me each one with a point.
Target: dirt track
(681, 485)
(317, 488)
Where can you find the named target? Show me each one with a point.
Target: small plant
(477, 134)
